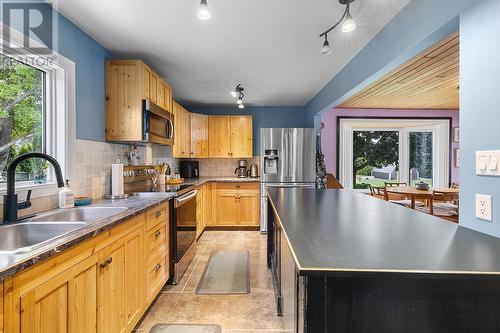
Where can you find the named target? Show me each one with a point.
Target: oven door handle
(184, 198)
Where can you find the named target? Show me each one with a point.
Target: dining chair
(389, 184)
(377, 192)
(445, 205)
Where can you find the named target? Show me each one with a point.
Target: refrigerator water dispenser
(271, 158)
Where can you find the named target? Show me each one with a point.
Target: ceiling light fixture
(238, 93)
(348, 25)
(203, 11)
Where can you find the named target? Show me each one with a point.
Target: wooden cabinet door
(227, 208)
(176, 150)
(219, 143)
(123, 102)
(186, 133)
(65, 303)
(121, 284)
(248, 209)
(167, 102)
(241, 136)
(199, 211)
(199, 135)
(160, 94)
(146, 82)
(207, 205)
(153, 87)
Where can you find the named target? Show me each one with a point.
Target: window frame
(441, 144)
(59, 107)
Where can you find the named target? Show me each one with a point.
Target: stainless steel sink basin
(27, 236)
(81, 214)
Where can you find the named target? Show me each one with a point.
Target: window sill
(38, 190)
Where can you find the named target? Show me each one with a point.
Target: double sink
(27, 236)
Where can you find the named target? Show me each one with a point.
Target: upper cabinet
(182, 132)
(230, 136)
(128, 82)
(199, 135)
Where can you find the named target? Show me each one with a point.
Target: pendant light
(348, 25)
(203, 11)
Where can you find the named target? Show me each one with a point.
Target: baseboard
(232, 228)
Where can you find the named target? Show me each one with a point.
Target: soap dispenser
(66, 197)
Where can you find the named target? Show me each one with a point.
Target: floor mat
(185, 328)
(227, 272)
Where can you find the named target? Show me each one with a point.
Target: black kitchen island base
(384, 304)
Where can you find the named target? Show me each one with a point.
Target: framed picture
(456, 134)
(457, 157)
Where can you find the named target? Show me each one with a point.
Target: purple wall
(329, 132)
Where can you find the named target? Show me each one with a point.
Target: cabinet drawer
(238, 186)
(157, 277)
(157, 237)
(156, 215)
(155, 255)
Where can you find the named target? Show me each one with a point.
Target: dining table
(414, 194)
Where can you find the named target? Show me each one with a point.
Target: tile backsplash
(224, 167)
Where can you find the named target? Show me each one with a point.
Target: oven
(183, 231)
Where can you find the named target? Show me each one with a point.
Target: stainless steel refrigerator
(287, 159)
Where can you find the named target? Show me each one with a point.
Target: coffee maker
(241, 170)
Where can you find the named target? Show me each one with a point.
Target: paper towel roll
(117, 187)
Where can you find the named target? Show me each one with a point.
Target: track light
(348, 25)
(238, 93)
(203, 11)
(326, 49)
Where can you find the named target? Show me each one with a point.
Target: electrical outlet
(483, 207)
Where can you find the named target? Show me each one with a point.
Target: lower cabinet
(65, 303)
(121, 283)
(103, 285)
(238, 204)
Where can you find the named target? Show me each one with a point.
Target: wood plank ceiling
(429, 81)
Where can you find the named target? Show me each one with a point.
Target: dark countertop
(221, 179)
(11, 264)
(341, 231)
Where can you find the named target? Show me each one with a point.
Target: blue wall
(280, 116)
(480, 107)
(89, 58)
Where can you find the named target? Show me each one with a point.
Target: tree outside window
(21, 118)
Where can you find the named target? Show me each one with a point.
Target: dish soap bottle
(66, 197)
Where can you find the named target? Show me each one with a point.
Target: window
(376, 151)
(37, 97)
(22, 118)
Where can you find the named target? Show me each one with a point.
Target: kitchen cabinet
(104, 284)
(182, 132)
(207, 205)
(128, 82)
(238, 204)
(199, 210)
(65, 303)
(121, 283)
(241, 136)
(230, 136)
(199, 135)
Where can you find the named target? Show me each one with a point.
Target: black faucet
(10, 204)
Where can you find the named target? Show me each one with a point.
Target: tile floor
(252, 313)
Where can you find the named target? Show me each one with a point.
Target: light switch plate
(483, 207)
(487, 163)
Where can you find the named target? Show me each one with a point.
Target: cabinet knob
(157, 234)
(106, 262)
(158, 267)
(158, 214)
(238, 186)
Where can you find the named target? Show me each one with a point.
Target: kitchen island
(346, 262)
